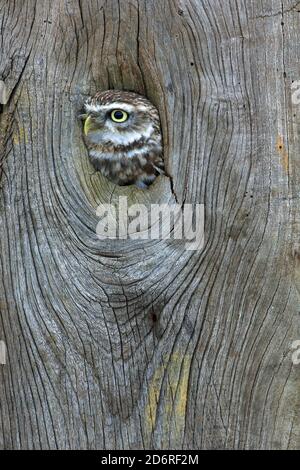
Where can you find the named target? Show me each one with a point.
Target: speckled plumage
(129, 152)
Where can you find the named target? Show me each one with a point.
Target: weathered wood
(87, 365)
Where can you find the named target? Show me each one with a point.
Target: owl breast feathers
(123, 136)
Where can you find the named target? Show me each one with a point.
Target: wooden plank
(145, 344)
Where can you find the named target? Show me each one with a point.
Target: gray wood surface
(144, 344)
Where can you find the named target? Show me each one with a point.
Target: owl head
(119, 118)
(123, 137)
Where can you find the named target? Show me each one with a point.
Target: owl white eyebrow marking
(116, 105)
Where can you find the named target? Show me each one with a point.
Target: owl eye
(117, 115)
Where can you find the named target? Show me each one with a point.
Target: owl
(123, 135)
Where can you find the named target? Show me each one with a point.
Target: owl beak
(87, 125)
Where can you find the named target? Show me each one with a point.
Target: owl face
(119, 119)
(123, 136)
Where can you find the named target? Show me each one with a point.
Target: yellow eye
(117, 115)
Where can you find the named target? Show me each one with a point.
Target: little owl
(123, 137)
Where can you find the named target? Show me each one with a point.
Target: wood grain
(121, 344)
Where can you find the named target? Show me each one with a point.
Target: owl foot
(141, 185)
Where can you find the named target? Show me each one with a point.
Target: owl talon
(141, 185)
